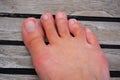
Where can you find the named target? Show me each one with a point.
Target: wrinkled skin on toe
(66, 57)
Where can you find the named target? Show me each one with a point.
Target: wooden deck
(13, 54)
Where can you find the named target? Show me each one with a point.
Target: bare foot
(65, 57)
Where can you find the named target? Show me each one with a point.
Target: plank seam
(30, 71)
(82, 18)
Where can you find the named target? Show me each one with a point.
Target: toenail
(45, 17)
(60, 15)
(73, 21)
(30, 26)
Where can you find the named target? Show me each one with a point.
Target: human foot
(66, 57)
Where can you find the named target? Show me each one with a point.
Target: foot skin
(66, 57)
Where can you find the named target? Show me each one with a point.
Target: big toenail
(45, 17)
(73, 21)
(30, 26)
(60, 15)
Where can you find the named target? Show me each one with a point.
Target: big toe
(33, 35)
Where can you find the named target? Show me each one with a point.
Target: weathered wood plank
(19, 57)
(107, 32)
(15, 62)
(18, 77)
(114, 78)
(12, 51)
(27, 77)
(83, 7)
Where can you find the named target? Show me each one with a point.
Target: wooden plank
(20, 57)
(82, 7)
(18, 77)
(27, 77)
(15, 62)
(15, 55)
(113, 57)
(18, 51)
(114, 78)
(107, 32)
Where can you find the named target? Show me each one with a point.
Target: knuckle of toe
(33, 42)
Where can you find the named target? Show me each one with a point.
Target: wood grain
(27, 77)
(82, 7)
(18, 77)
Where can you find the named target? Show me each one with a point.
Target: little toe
(91, 38)
(33, 35)
(62, 24)
(49, 27)
(77, 29)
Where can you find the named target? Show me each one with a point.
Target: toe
(49, 27)
(32, 35)
(91, 38)
(62, 24)
(76, 29)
